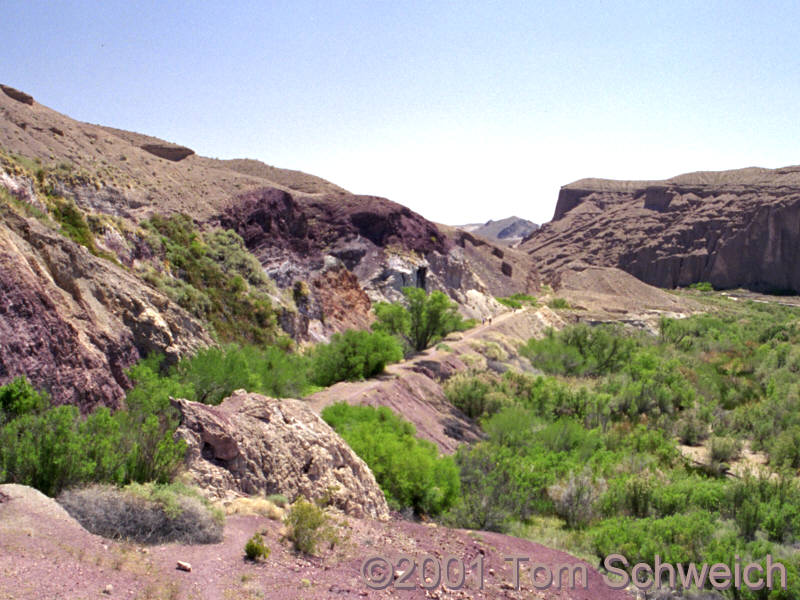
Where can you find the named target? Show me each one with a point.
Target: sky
(463, 111)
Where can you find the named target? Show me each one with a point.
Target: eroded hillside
(731, 228)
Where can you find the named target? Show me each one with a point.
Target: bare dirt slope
(44, 554)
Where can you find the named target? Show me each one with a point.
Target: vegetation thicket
(593, 443)
(409, 470)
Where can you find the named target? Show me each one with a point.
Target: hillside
(731, 228)
(122, 206)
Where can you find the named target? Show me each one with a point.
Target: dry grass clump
(147, 514)
(255, 506)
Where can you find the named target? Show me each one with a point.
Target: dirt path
(412, 387)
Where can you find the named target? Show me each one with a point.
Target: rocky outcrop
(731, 228)
(72, 322)
(168, 151)
(386, 246)
(17, 95)
(252, 444)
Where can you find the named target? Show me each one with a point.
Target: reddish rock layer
(733, 229)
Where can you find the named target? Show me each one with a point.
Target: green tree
(425, 319)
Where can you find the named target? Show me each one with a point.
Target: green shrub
(147, 514)
(517, 300)
(214, 373)
(409, 470)
(702, 286)
(307, 526)
(724, 449)
(558, 303)
(354, 355)
(148, 424)
(469, 393)
(676, 539)
(278, 500)
(255, 549)
(785, 450)
(54, 447)
(422, 321)
(649, 384)
(496, 489)
(73, 223)
(581, 350)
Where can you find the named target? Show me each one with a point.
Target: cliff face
(732, 228)
(72, 322)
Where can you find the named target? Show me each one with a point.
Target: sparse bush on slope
(147, 514)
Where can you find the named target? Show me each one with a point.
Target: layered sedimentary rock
(252, 444)
(732, 228)
(72, 322)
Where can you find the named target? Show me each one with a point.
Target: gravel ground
(45, 554)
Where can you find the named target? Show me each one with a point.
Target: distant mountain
(505, 231)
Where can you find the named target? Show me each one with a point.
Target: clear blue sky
(463, 111)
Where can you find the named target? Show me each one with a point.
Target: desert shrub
(631, 495)
(687, 493)
(73, 224)
(574, 499)
(278, 500)
(558, 303)
(18, 398)
(565, 435)
(724, 449)
(46, 450)
(748, 518)
(581, 350)
(649, 384)
(702, 286)
(255, 548)
(354, 355)
(496, 489)
(470, 394)
(517, 300)
(147, 514)
(785, 450)
(513, 426)
(422, 320)
(214, 373)
(307, 526)
(676, 539)
(148, 424)
(690, 429)
(409, 470)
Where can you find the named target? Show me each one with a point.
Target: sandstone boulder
(252, 444)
